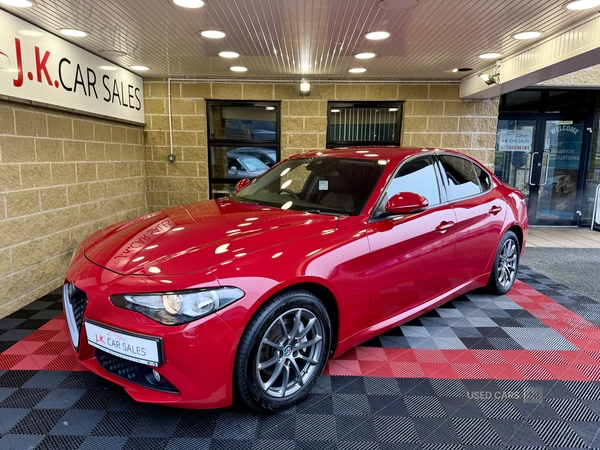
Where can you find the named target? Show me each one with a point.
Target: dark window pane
(355, 124)
(243, 142)
(240, 162)
(243, 123)
(522, 101)
(484, 179)
(570, 102)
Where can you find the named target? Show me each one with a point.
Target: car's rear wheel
(282, 352)
(506, 264)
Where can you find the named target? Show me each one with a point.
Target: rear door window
(463, 178)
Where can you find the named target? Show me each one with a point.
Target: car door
(412, 254)
(480, 213)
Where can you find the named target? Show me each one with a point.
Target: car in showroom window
(245, 298)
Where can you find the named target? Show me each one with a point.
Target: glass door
(515, 144)
(557, 167)
(542, 158)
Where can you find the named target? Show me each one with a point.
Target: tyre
(506, 264)
(282, 352)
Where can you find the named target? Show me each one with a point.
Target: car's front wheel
(506, 264)
(282, 352)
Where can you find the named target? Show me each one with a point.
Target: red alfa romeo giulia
(247, 297)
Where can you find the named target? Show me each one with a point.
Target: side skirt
(405, 316)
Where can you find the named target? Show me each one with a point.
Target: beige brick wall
(434, 116)
(62, 176)
(589, 77)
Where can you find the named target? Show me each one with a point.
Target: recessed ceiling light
(458, 69)
(212, 34)
(580, 5)
(366, 55)
(377, 35)
(527, 35)
(112, 53)
(269, 108)
(229, 54)
(30, 33)
(189, 3)
(490, 55)
(335, 110)
(141, 68)
(73, 33)
(109, 68)
(238, 68)
(392, 109)
(357, 70)
(17, 3)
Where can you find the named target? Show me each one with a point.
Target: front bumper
(197, 360)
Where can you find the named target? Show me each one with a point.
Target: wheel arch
(328, 300)
(520, 235)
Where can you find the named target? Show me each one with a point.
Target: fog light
(156, 376)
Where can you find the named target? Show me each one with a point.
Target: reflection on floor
(519, 371)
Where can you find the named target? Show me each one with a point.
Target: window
(364, 123)
(418, 176)
(544, 100)
(243, 142)
(325, 185)
(484, 179)
(463, 178)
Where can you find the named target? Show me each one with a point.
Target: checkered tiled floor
(520, 371)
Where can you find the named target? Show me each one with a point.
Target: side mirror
(241, 184)
(406, 203)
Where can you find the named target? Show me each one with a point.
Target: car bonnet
(197, 236)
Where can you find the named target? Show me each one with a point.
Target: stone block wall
(62, 176)
(434, 116)
(589, 77)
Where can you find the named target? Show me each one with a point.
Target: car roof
(390, 153)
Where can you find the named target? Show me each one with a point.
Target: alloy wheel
(507, 263)
(289, 353)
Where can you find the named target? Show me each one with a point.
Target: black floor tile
(78, 410)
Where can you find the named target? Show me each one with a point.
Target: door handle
(444, 226)
(495, 210)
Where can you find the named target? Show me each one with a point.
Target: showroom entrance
(546, 153)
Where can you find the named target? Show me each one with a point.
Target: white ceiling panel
(312, 39)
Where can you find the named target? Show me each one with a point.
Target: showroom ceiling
(312, 39)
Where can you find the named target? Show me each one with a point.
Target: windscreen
(320, 184)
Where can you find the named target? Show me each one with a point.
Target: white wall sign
(515, 140)
(50, 70)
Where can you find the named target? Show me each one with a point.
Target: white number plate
(143, 350)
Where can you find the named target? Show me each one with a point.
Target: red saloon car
(247, 297)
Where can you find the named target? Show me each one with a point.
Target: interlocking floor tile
(520, 371)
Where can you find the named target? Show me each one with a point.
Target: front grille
(74, 303)
(119, 366)
(78, 302)
(137, 373)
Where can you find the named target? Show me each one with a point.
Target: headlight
(175, 308)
